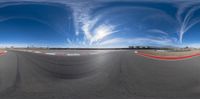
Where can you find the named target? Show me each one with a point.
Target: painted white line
(135, 52)
(94, 53)
(161, 50)
(50, 53)
(37, 52)
(73, 54)
(29, 51)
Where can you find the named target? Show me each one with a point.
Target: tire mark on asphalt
(60, 75)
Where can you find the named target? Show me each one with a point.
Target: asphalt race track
(96, 75)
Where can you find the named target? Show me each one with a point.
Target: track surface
(110, 75)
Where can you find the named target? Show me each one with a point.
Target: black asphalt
(111, 75)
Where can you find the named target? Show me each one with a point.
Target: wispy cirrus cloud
(158, 31)
(137, 41)
(92, 30)
(186, 18)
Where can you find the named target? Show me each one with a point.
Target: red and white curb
(3, 53)
(170, 58)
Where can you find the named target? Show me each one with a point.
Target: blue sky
(99, 23)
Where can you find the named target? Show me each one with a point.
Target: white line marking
(29, 51)
(50, 53)
(37, 52)
(73, 54)
(135, 52)
(94, 53)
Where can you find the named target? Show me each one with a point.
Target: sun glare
(101, 32)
